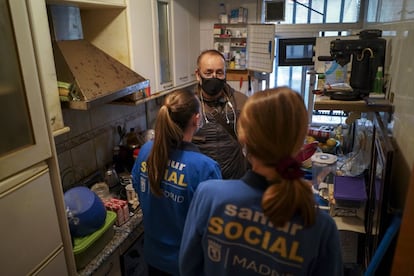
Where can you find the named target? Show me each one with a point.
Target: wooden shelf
(324, 103)
(237, 74)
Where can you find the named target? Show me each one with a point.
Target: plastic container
(323, 169)
(349, 191)
(101, 189)
(86, 248)
(321, 82)
(379, 81)
(85, 211)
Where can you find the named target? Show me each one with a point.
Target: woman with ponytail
(165, 175)
(267, 222)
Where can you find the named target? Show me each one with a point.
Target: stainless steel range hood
(97, 77)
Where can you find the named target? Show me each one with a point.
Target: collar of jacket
(255, 180)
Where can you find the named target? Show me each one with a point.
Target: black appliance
(368, 53)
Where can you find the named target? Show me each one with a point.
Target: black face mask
(212, 86)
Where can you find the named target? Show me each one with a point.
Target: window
(296, 51)
(317, 11)
(274, 10)
(293, 64)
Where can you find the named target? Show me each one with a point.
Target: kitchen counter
(124, 236)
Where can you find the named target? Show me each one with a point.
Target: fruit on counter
(331, 142)
(329, 145)
(309, 139)
(325, 146)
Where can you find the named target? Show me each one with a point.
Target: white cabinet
(54, 266)
(25, 140)
(150, 23)
(165, 41)
(140, 18)
(186, 40)
(231, 41)
(35, 232)
(30, 231)
(246, 46)
(89, 3)
(45, 64)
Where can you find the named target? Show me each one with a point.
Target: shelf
(237, 74)
(152, 97)
(234, 25)
(325, 103)
(230, 37)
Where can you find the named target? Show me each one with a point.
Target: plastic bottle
(321, 82)
(379, 81)
(223, 18)
(222, 9)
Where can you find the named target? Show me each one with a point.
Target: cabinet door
(112, 266)
(181, 41)
(164, 53)
(54, 267)
(143, 35)
(150, 25)
(186, 40)
(30, 230)
(24, 139)
(260, 47)
(45, 62)
(194, 40)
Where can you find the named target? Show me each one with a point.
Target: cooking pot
(85, 211)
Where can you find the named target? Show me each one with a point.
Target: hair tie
(289, 168)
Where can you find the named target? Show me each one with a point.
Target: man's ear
(197, 73)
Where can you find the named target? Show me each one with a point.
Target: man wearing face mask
(221, 107)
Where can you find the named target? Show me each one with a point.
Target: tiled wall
(88, 147)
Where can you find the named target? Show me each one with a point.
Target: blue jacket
(164, 217)
(226, 233)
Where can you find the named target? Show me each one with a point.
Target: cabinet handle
(167, 86)
(183, 78)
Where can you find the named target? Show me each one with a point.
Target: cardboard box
(349, 191)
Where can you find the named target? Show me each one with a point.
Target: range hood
(96, 77)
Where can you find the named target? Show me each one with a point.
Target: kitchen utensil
(111, 178)
(101, 189)
(131, 194)
(86, 248)
(323, 169)
(85, 211)
(121, 133)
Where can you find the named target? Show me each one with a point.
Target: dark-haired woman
(165, 175)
